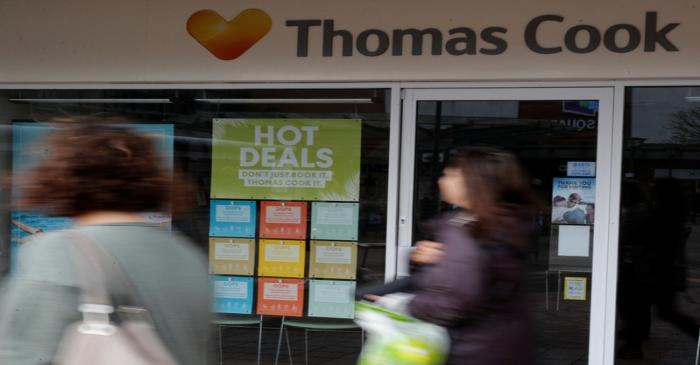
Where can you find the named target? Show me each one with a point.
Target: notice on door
(574, 241)
(575, 288)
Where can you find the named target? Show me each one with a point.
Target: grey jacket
(477, 292)
(40, 300)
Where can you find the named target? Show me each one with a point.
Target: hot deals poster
(286, 159)
(573, 200)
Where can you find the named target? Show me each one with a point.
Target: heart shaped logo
(228, 40)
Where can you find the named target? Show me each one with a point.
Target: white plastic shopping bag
(396, 338)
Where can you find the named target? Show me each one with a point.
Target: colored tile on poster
(232, 218)
(334, 221)
(232, 294)
(280, 297)
(282, 258)
(333, 260)
(283, 220)
(331, 299)
(231, 256)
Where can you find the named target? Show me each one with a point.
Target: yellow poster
(333, 260)
(231, 256)
(282, 258)
(575, 288)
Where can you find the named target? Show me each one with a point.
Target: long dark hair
(499, 194)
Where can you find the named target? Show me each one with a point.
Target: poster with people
(573, 200)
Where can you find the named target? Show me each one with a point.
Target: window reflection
(191, 112)
(659, 246)
(549, 138)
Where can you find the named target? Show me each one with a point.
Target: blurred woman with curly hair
(104, 178)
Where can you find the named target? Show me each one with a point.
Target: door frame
(608, 170)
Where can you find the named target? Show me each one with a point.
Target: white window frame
(604, 173)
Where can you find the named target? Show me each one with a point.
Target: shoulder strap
(99, 271)
(90, 276)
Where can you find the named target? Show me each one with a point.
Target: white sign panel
(306, 40)
(574, 240)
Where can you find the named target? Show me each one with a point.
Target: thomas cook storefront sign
(360, 41)
(228, 40)
(619, 38)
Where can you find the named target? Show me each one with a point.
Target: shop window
(289, 198)
(658, 292)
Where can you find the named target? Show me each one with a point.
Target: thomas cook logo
(228, 39)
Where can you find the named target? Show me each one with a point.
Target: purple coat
(477, 291)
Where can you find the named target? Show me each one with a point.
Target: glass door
(563, 138)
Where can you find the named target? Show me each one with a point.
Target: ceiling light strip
(91, 101)
(287, 101)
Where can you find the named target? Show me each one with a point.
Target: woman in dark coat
(474, 281)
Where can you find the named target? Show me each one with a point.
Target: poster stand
(566, 264)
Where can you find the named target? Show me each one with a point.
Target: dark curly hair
(94, 167)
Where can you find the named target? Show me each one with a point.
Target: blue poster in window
(334, 221)
(331, 299)
(232, 218)
(28, 151)
(232, 294)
